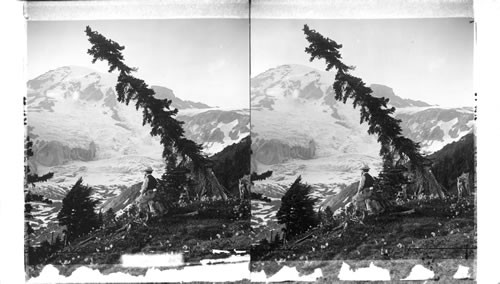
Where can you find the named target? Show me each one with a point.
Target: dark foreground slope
(195, 231)
(438, 229)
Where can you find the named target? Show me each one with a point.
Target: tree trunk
(207, 185)
(425, 183)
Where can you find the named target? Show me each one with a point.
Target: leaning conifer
(373, 110)
(395, 148)
(156, 112)
(161, 117)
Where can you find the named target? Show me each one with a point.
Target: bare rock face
(270, 152)
(203, 127)
(427, 125)
(53, 153)
(126, 197)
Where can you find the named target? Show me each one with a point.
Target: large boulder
(341, 199)
(122, 200)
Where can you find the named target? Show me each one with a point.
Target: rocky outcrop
(166, 93)
(270, 152)
(427, 125)
(119, 202)
(53, 153)
(398, 102)
(208, 126)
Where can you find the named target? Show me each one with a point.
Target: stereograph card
(262, 141)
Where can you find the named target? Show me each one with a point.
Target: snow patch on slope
(226, 128)
(445, 127)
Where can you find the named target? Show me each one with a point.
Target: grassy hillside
(210, 225)
(437, 229)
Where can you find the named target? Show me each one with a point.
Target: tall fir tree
(156, 112)
(395, 149)
(159, 115)
(78, 212)
(297, 209)
(176, 179)
(373, 110)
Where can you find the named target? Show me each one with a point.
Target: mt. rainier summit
(79, 129)
(295, 117)
(73, 115)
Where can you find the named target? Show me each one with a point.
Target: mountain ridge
(71, 98)
(287, 90)
(96, 81)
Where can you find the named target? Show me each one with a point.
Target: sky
(421, 59)
(204, 60)
(207, 60)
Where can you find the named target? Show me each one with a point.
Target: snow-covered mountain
(296, 118)
(215, 128)
(435, 127)
(76, 122)
(73, 115)
(79, 129)
(298, 128)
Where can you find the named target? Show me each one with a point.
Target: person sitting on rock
(363, 200)
(461, 188)
(244, 184)
(148, 193)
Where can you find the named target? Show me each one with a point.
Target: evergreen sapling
(297, 209)
(78, 211)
